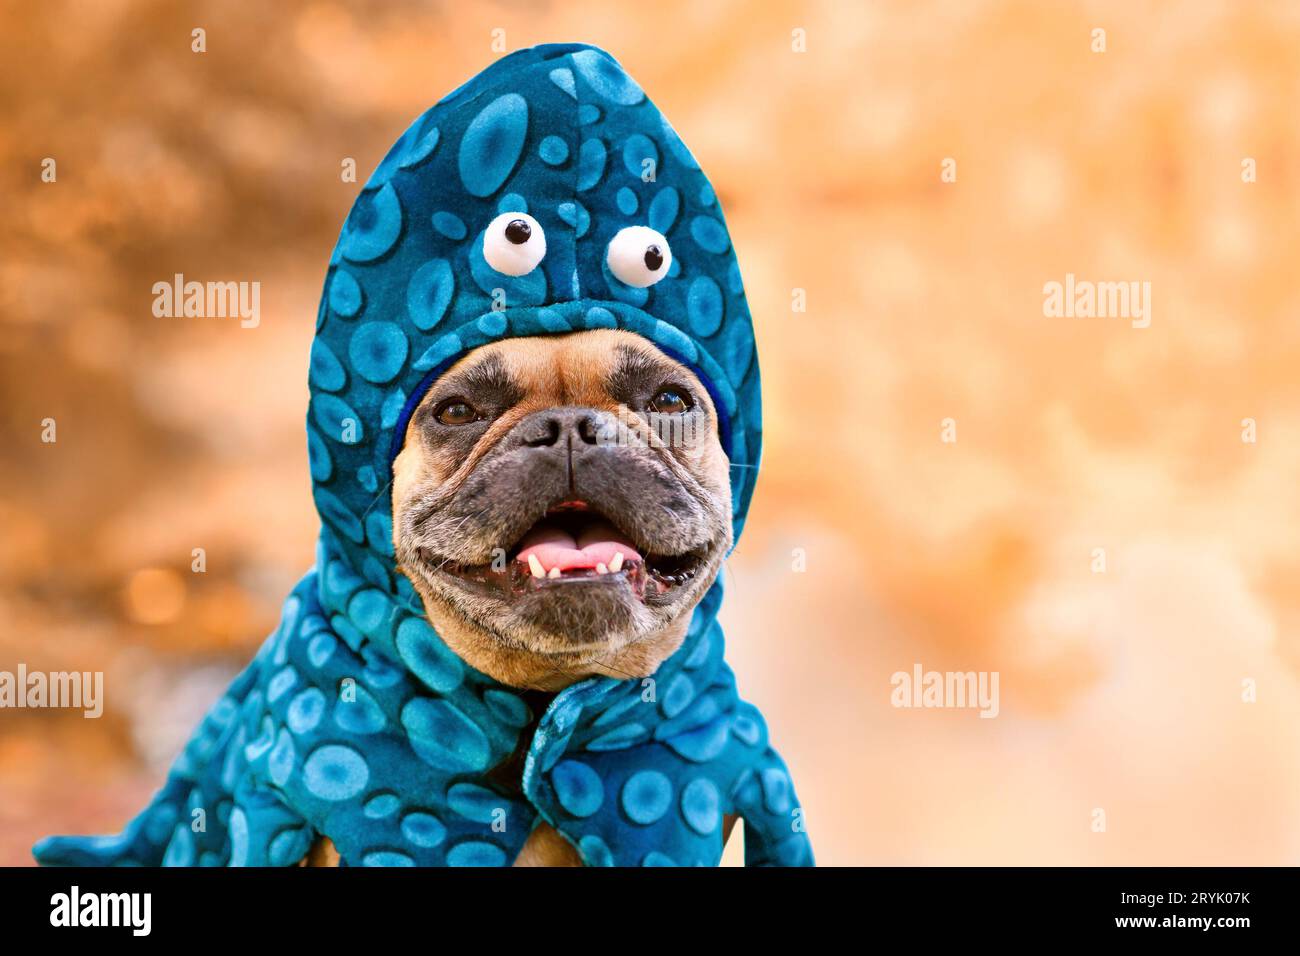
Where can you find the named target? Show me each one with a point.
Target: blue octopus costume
(355, 720)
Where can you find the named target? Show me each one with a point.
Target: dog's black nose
(558, 426)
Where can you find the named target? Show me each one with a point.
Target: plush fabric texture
(355, 720)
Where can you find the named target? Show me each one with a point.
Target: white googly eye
(514, 243)
(638, 256)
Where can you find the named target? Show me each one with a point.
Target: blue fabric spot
(646, 796)
(626, 200)
(373, 226)
(180, 851)
(419, 149)
(288, 847)
(474, 802)
(427, 657)
(262, 743)
(620, 738)
(381, 805)
(335, 772)
(392, 408)
(704, 306)
(512, 202)
(379, 673)
(367, 478)
(740, 353)
(746, 730)
(677, 695)
(574, 215)
(552, 321)
(386, 858)
(281, 684)
(320, 649)
(595, 851)
(709, 234)
(702, 744)
(492, 325)
(476, 853)
(337, 514)
(345, 294)
(607, 78)
(369, 609)
(360, 715)
(429, 293)
(507, 707)
(591, 163)
(640, 157)
(238, 827)
(450, 225)
(776, 790)
(578, 788)
(553, 151)
(492, 144)
(675, 339)
(280, 764)
(349, 632)
(378, 351)
(444, 737)
(441, 350)
(564, 80)
(701, 806)
(318, 457)
(337, 419)
(423, 829)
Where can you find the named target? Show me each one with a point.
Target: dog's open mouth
(574, 542)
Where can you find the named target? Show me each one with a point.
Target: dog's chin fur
(551, 640)
(460, 502)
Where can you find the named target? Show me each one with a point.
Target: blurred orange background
(1121, 690)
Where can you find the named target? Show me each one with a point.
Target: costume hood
(355, 720)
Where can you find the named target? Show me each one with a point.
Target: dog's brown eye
(670, 401)
(456, 412)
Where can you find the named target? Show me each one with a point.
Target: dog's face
(561, 504)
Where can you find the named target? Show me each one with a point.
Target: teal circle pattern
(335, 772)
(646, 796)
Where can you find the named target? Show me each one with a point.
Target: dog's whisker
(376, 499)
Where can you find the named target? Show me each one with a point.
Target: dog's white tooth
(554, 572)
(601, 569)
(617, 561)
(536, 566)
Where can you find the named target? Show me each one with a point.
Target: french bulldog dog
(561, 505)
(533, 434)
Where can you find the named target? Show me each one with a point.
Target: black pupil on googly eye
(654, 258)
(518, 231)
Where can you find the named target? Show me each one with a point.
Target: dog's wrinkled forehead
(546, 195)
(600, 369)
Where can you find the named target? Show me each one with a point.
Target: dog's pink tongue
(596, 544)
